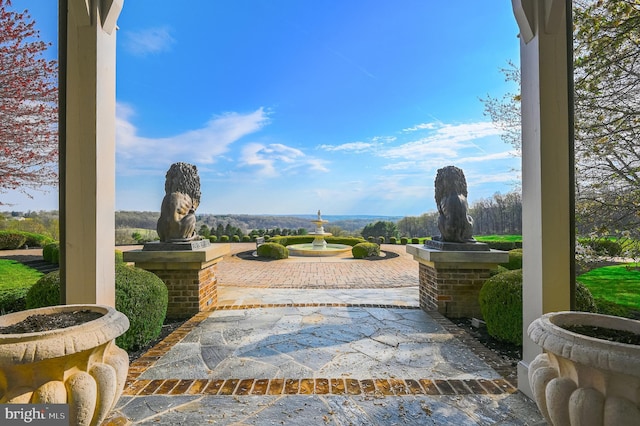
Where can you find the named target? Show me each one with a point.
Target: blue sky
(289, 106)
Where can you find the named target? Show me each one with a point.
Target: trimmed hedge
(224, 238)
(501, 245)
(45, 292)
(143, 297)
(140, 295)
(501, 305)
(584, 299)
(393, 240)
(51, 252)
(305, 239)
(415, 241)
(273, 251)
(515, 260)
(213, 238)
(404, 241)
(12, 240)
(13, 300)
(363, 250)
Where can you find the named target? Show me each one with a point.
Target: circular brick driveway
(396, 269)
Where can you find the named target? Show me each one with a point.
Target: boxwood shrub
(45, 292)
(119, 258)
(273, 251)
(235, 238)
(501, 305)
(404, 241)
(415, 241)
(140, 295)
(363, 250)
(13, 300)
(143, 297)
(381, 240)
(515, 260)
(213, 238)
(224, 238)
(11, 240)
(51, 252)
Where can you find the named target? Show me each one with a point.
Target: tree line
(501, 214)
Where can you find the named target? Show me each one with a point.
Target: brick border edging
(319, 386)
(410, 386)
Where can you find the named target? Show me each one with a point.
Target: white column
(547, 185)
(89, 183)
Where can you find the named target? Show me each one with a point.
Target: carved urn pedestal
(450, 281)
(582, 380)
(188, 270)
(79, 365)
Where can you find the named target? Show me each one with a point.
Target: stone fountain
(319, 246)
(319, 243)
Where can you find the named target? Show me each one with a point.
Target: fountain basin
(309, 249)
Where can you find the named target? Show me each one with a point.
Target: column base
(450, 281)
(190, 276)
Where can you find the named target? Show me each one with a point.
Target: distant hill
(350, 223)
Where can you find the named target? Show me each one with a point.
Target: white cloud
(202, 146)
(422, 126)
(273, 159)
(489, 157)
(446, 141)
(357, 147)
(148, 41)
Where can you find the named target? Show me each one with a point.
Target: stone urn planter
(582, 380)
(79, 365)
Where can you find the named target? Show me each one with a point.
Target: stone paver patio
(320, 341)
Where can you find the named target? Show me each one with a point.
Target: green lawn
(507, 238)
(618, 284)
(15, 275)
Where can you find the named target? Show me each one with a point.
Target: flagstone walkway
(309, 341)
(320, 341)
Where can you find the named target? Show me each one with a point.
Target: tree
(607, 113)
(28, 105)
(505, 111)
(381, 228)
(607, 104)
(204, 231)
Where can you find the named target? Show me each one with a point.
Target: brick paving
(398, 269)
(409, 399)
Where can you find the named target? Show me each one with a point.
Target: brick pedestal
(450, 281)
(190, 276)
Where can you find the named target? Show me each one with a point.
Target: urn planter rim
(30, 347)
(547, 331)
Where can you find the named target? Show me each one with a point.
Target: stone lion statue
(182, 197)
(454, 223)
